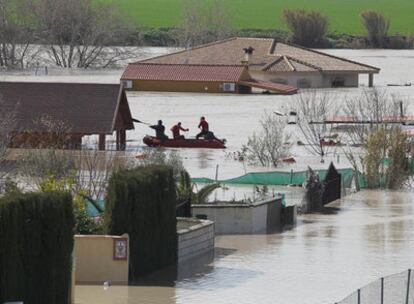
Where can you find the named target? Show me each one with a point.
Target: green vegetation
(185, 190)
(392, 145)
(142, 202)
(36, 244)
(344, 16)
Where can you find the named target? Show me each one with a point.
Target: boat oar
(139, 121)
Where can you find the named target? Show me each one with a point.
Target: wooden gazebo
(58, 115)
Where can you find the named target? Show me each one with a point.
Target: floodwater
(322, 260)
(234, 117)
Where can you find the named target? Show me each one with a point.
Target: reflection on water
(320, 261)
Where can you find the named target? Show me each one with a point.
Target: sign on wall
(120, 249)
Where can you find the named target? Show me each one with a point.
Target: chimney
(247, 54)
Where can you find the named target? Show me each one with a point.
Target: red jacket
(176, 130)
(204, 125)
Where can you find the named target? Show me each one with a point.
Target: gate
(332, 183)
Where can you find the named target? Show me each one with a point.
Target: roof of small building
(82, 108)
(270, 86)
(268, 55)
(184, 72)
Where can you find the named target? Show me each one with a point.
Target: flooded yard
(234, 117)
(320, 261)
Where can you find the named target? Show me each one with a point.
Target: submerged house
(58, 115)
(271, 61)
(201, 78)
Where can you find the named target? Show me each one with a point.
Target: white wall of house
(349, 79)
(307, 79)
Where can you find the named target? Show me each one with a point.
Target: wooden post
(122, 140)
(407, 299)
(117, 141)
(102, 142)
(371, 80)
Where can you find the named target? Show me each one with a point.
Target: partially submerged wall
(230, 218)
(196, 238)
(96, 260)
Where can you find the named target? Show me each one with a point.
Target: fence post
(407, 299)
(359, 296)
(382, 290)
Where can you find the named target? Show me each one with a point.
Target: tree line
(72, 33)
(83, 34)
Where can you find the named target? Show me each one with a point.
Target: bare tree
(371, 111)
(308, 27)
(203, 22)
(16, 33)
(78, 32)
(94, 169)
(313, 109)
(85, 172)
(377, 27)
(7, 125)
(159, 156)
(270, 144)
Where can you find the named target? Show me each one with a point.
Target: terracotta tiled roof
(83, 108)
(271, 86)
(282, 64)
(266, 52)
(183, 72)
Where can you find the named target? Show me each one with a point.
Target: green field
(266, 14)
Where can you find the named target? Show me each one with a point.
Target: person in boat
(159, 130)
(205, 132)
(203, 125)
(176, 131)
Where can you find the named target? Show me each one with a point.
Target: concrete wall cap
(239, 205)
(94, 236)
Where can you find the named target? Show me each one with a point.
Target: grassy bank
(266, 14)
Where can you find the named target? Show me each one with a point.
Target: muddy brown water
(320, 261)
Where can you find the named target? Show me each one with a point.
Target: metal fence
(394, 289)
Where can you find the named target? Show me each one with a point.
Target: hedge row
(142, 203)
(36, 243)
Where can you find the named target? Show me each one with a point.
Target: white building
(277, 62)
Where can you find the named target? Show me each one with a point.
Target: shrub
(142, 203)
(308, 27)
(376, 26)
(36, 244)
(385, 160)
(398, 42)
(85, 224)
(270, 145)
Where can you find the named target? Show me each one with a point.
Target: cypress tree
(36, 244)
(142, 203)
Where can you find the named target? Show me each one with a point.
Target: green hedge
(142, 203)
(36, 244)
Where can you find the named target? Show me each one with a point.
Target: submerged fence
(286, 178)
(394, 289)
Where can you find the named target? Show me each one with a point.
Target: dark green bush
(36, 244)
(142, 202)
